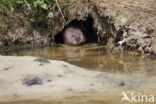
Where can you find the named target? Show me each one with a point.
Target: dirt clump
(131, 24)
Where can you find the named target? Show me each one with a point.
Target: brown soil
(129, 25)
(121, 25)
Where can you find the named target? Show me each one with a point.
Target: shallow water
(92, 57)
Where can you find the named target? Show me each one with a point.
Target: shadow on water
(92, 57)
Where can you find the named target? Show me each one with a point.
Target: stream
(90, 57)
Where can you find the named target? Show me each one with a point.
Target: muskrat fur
(74, 36)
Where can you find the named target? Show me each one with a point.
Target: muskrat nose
(77, 39)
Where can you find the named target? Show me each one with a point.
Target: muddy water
(92, 57)
(78, 99)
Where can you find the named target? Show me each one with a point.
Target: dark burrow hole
(86, 27)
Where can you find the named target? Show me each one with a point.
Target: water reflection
(92, 57)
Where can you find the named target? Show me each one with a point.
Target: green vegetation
(36, 12)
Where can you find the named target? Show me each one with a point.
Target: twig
(27, 4)
(60, 11)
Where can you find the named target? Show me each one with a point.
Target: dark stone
(122, 84)
(153, 56)
(49, 80)
(59, 75)
(42, 60)
(65, 65)
(32, 81)
(41, 64)
(6, 68)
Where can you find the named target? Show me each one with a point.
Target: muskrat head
(74, 36)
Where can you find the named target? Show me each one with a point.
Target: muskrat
(74, 36)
